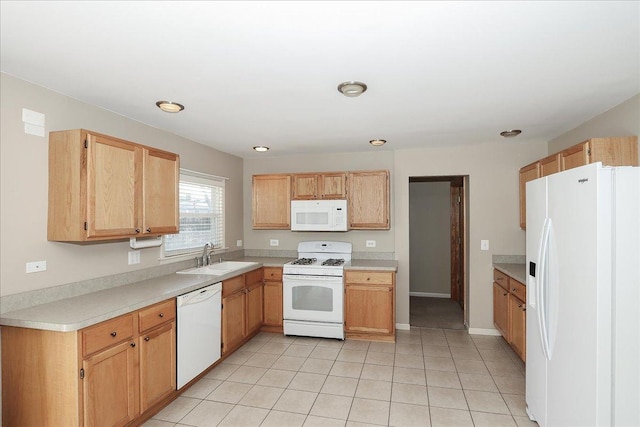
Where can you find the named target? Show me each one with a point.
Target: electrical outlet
(238, 243)
(484, 245)
(36, 266)
(134, 257)
(274, 242)
(371, 243)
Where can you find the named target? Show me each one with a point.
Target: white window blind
(201, 214)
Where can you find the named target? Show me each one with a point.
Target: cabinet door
(333, 185)
(273, 303)
(305, 186)
(369, 308)
(527, 173)
(575, 156)
(501, 310)
(160, 192)
(368, 200)
(271, 204)
(157, 364)
(254, 307)
(550, 165)
(113, 168)
(233, 321)
(517, 326)
(109, 386)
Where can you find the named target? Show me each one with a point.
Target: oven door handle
(300, 278)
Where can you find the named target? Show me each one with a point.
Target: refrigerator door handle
(541, 290)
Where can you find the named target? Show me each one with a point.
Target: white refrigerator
(583, 300)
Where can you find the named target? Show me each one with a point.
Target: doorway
(436, 247)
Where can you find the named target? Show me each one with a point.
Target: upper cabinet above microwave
(105, 188)
(313, 186)
(366, 192)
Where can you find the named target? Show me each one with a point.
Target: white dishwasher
(198, 335)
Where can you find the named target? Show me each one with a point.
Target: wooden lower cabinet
(517, 326)
(509, 310)
(501, 310)
(369, 305)
(108, 374)
(157, 364)
(241, 309)
(272, 300)
(109, 391)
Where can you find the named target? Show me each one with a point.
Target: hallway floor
(426, 312)
(429, 377)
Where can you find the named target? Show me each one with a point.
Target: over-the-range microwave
(319, 215)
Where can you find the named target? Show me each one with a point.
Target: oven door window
(312, 298)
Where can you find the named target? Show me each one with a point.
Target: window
(201, 214)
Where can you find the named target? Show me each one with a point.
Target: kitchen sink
(219, 268)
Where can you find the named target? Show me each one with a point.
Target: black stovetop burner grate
(304, 261)
(334, 262)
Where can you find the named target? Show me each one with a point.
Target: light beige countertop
(74, 313)
(517, 271)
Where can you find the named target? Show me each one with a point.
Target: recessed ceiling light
(169, 107)
(261, 148)
(378, 142)
(352, 89)
(510, 133)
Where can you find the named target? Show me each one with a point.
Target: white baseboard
(480, 331)
(429, 294)
(403, 326)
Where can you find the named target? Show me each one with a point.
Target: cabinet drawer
(501, 279)
(232, 285)
(253, 277)
(369, 277)
(518, 289)
(157, 314)
(273, 274)
(107, 333)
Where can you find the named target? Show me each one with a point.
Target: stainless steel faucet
(205, 254)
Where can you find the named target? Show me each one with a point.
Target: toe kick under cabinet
(107, 374)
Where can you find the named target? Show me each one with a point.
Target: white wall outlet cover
(484, 245)
(36, 266)
(134, 257)
(274, 242)
(371, 243)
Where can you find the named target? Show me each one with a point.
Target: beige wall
(373, 160)
(24, 181)
(492, 205)
(430, 245)
(621, 120)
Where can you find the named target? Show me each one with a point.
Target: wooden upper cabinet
(104, 188)
(527, 173)
(312, 186)
(271, 203)
(614, 151)
(550, 165)
(368, 199)
(161, 213)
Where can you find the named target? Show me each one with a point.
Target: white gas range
(313, 290)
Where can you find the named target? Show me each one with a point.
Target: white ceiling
(265, 73)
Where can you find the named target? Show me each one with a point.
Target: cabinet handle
(137, 230)
(368, 278)
(113, 334)
(499, 279)
(505, 294)
(513, 290)
(146, 338)
(161, 315)
(148, 229)
(133, 344)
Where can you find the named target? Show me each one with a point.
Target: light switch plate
(238, 243)
(484, 245)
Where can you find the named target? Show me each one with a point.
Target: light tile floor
(429, 377)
